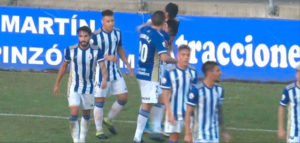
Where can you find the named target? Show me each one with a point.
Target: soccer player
(83, 58)
(176, 84)
(152, 49)
(206, 102)
(291, 97)
(109, 39)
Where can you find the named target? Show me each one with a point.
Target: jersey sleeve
(120, 41)
(193, 97)
(94, 39)
(67, 55)
(100, 57)
(221, 96)
(195, 80)
(166, 81)
(160, 45)
(285, 98)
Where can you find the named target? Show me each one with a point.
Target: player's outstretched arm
(122, 55)
(188, 131)
(224, 132)
(170, 114)
(281, 130)
(61, 73)
(167, 58)
(104, 74)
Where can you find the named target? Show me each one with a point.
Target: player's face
(216, 74)
(183, 57)
(108, 23)
(84, 38)
(298, 75)
(166, 15)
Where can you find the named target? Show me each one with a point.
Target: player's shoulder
(73, 46)
(117, 29)
(199, 85)
(290, 86)
(98, 31)
(192, 67)
(94, 47)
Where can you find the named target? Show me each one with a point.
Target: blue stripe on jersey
(76, 70)
(103, 49)
(83, 71)
(204, 113)
(216, 115)
(211, 112)
(112, 52)
(295, 112)
(176, 95)
(183, 93)
(91, 71)
(109, 53)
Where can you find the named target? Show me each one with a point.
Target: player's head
(298, 72)
(172, 27)
(158, 18)
(108, 20)
(84, 34)
(212, 71)
(183, 55)
(171, 10)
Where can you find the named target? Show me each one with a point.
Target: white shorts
(177, 128)
(85, 100)
(114, 87)
(149, 91)
(293, 139)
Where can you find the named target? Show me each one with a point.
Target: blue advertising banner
(246, 48)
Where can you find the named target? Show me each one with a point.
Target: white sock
(141, 123)
(98, 115)
(74, 127)
(84, 127)
(116, 109)
(157, 114)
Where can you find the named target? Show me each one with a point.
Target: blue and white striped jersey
(291, 96)
(152, 44)
(164, 65)
(206, 102)
(179, 81)
(109, 44)
(83, 66)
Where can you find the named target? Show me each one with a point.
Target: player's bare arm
(122, 55)
(281, 130)
(224, 132)
(188, 131)
(104, 74)
(61, 73)
(167, 58)
(112, 58)
(165, 98)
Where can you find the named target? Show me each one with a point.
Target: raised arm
(61, 73)
(167, 58)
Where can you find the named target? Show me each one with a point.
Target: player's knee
(123, 97)
(100, 99)
(86, 117)
(122, 102)
(99, 104)
(73, 117)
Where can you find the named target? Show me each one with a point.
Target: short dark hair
(173, 25)
(85, 29)
(209, 65)
(172, 10)
(184, 47)
(158, 18)
(107, 12)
